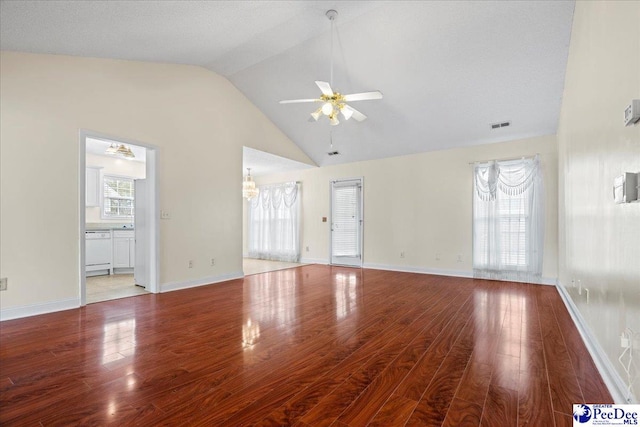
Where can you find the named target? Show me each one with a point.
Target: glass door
(346, 222)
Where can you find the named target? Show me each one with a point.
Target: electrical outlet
(3, 284)
(307, 248)
(459, 259)
(624, 341)
(213, 262)
(190, 264)
(402, 254)
(165, 215)
(438, 257)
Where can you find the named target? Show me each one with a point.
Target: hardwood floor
(309, 346)
(254, 266)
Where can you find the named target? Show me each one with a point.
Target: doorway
(118, 201)
(261, 164)
(346, 222)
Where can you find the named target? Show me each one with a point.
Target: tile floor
(108, 287)
(104, 288)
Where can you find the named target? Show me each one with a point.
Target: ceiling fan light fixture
(316, 114)
(334, 103)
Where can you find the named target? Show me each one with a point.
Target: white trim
(36, 309)
(422, 270)
(175, 286)
(153, 208)
(314, 261)
(332, 183)
(82, 188)
(547, 281)
(611, 377)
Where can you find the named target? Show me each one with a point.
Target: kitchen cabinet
(124, 248)
(92, 186)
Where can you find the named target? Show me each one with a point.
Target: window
(512, 216)
(274, 223)
(508, 220)
(118, 197)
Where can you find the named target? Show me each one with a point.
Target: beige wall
(420, 205)
(600, 241)
(112, 166)
(197, 120)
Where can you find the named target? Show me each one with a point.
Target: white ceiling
(262, 163)
(447, 69)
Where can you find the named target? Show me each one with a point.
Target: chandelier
(120, 150)
(249, 189)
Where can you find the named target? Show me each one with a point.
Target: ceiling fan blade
(325, 88)
(296, 101)
(364, 96)
(348, 112)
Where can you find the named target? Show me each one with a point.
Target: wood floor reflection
(313, 345)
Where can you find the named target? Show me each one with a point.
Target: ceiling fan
(335, 103)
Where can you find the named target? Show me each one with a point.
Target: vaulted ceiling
(447, 69)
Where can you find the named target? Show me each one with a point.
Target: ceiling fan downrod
(332, 15)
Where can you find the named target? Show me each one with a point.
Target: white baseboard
(35, 309)
(422, 270)
(314, 261)
(550, 281)
(174, 286)
(612, 379)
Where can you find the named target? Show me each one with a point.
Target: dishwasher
(98, 253)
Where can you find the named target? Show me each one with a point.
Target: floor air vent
(500, 125)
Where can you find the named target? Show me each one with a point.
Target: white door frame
(153, 242)
(361, 234)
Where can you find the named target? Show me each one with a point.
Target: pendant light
(249, 189)
(120, 150)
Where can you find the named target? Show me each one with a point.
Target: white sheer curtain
(274, 223)
(508, 220)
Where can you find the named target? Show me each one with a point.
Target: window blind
(118, 200)
(346, 220)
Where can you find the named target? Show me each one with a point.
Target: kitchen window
(118, 197)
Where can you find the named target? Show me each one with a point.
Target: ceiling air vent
(500, 125)
(333, 153)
